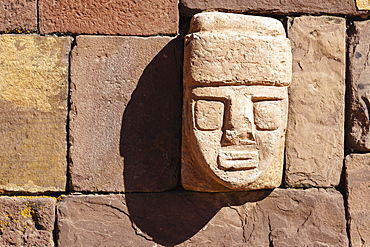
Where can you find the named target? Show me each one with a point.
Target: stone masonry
(18, 15)
(358, 187)
(279, 218)
(33, 96)
(27, 221)
(285, 7)
(91, 112)
(145, 17)
(358, 129)
(125, 114)
(315, 133)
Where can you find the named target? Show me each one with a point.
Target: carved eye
(267, 115)
(209, 114)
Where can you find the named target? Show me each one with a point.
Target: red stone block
(358, 132)
(18, 14)
(125, 123)
(126, 17)
(358, 189)
(313, 217)
(27, 221)
(335, 7)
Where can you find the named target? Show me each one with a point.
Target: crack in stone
(195, 207)
(136, 229)
(361, 238)
(247, 238)
(271, 244)
(305, 221)
(242, 221)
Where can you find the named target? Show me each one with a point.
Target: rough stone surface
(233, 131)
(315, 133)
(18, 14)
(125, 127)
(33, 112)
(27, 221)
(342, 7)
(358, 189)
(145, 17)
(363, 4)
(236, 49)
(358, 127)
(94, 220)
(313, 217)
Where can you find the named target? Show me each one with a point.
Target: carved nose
(238, 130)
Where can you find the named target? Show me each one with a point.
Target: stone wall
(90, 128)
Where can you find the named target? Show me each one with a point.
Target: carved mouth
(236, 160)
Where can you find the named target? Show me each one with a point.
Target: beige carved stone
(236, 72)
(363, 4)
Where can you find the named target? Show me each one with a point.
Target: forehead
(231, 92)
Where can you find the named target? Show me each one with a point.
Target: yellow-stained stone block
(363, 4)
(33, 112)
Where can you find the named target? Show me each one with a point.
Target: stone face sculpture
(236, 72)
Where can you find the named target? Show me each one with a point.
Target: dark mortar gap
(69, 103)
(347, 149)
(61, 34)
(85, 193)
(358, 18)
(19, 31)
(283, 184)
(184, 25)
(285, 24)
(343, 187)
(38, 16)
(55, 230)
(274, 13)
(35, 194)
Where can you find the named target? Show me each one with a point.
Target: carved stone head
(236, 72)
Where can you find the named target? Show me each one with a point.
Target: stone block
(126, 17)
(358, 189)
(235, 102)
(27, 221)
(33, 112)
(336, 7)
(363, 4)
(125, 123)
(93, 220)
(358, 125)
(18, 14)
(315, 132)
(313, 217)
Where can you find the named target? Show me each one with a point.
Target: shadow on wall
(151, 147)
(151, 125)
(171, 218)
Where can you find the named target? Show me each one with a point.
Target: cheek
(268, 145)
(208, 145)
(209, 139)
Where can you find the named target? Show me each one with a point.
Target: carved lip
(236, 160)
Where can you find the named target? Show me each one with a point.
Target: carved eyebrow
(210, 94)
(211, 98)
(265, 98)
